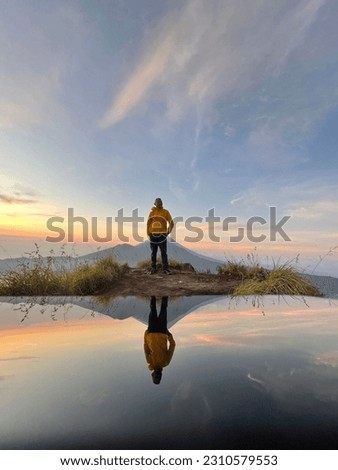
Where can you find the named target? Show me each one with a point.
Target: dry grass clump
(40, 278)
(27, 280)
(283, 280)
(239, 271)
(96, 278)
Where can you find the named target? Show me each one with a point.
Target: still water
(241, 375)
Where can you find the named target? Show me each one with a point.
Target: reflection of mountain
(117, 307)
(138, 308)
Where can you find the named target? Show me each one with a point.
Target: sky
(228, 105)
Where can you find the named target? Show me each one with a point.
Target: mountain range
(124, 253)
(132, 254)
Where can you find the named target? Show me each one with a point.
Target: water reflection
(237, 379)
(35, 310)
(159, 344)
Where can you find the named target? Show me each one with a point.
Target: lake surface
(242, 376)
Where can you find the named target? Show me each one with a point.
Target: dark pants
(159, 241)
(158, 324)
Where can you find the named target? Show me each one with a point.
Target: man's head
(158, 202)
(157, 376)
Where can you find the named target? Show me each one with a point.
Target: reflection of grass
(256, 280)
(40, 278)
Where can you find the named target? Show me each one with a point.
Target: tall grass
(241, 270)
(280, 280)
(40, 278)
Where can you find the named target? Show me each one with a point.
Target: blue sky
(218, 104)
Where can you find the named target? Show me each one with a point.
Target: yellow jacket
(158, 221)
(156, 350)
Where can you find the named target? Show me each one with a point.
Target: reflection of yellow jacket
(158, 221)
(156, 349)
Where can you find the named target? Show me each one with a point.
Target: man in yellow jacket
(156, 339)
(159, 225)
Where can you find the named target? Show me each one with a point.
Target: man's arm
(172, 345)
(146, 347)
(149, 221)
(170, 222)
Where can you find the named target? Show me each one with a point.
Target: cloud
(182, 187)
(15, 200)
(15, 192)
(145, 75)
(210, 50)
(290, 194)
(316, 211)
(236, 199)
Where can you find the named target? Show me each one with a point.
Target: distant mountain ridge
(130, 254)
(124, 253)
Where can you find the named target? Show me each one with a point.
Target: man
(156, 339)
(159, 225)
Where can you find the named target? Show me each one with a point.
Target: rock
(188, 267)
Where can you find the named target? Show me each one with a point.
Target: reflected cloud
(270, 377)
(329, 359)
(18, 358)
(255, 380)
(290, 376)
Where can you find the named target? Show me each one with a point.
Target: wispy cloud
(15, 192)
(316, 211)
(210, 50)
(143, 78)
(312, 206)
(15, 200)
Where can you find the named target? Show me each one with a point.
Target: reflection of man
(159, 225)
(156, 338)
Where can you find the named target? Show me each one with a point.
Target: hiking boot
(166, 271)
(153, 271)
